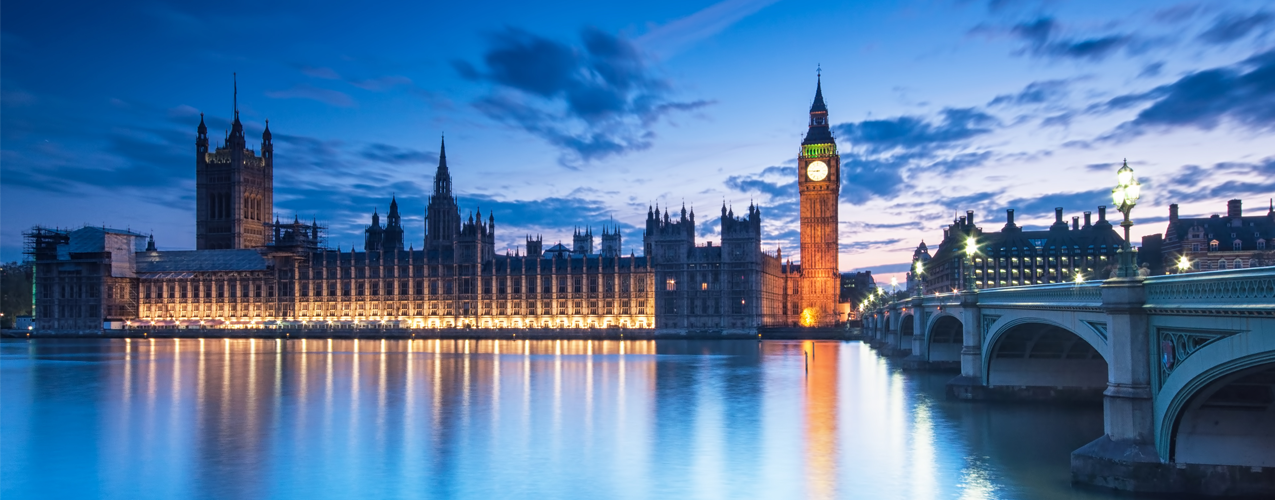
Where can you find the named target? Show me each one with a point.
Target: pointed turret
(819, 132)
(150, 243)
(442, 177)
(818, 105)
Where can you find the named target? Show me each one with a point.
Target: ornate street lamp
(1125, 196)
(971, 248)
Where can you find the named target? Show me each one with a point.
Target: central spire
(442, 178)
(818, 105)
(819, 132)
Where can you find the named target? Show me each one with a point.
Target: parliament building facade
(249, 272)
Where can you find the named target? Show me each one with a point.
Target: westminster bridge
(1184, 365)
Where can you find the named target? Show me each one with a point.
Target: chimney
(1102, 213)
(1087, 223)
(1058, 215)
(961, 221)
(969, 217)
(1233, 209)
(1075, 223)
(1173, 212)
(1009, 217)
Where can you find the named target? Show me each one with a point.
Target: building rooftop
(200, 260)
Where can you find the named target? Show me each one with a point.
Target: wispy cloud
(1241, 93)
(304, 91)
(593, 101)
(669, 39)
(1231, 27)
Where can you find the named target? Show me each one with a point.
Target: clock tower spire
(819, 183)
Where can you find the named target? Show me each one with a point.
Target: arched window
(1261, 244)
(1236, 245)
(1252, 263)
(1221, 264)
(1213, 246)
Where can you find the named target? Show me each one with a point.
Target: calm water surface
(510, 419)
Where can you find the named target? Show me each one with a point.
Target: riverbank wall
(442, 333)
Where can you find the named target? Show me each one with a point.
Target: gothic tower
(442, 215)
(234, 189)
(374, 235)
(393, 239)
(819, 182)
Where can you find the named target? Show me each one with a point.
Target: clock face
(817, 170)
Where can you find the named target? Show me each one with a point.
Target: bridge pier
(969, 385)
(1125, 457)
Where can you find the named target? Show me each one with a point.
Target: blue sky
(578, 113)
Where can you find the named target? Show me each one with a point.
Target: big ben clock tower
(819, 181)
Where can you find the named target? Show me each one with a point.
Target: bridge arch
(944, 337)
(1036, 352)
(1216, 405)
(906, 329)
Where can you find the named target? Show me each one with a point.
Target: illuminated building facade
(1217, 242)
(248, 272)
(819, 183)
(1014, 256)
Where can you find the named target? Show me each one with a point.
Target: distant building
(1232, 241)
(84, 277)
(234, 189)
(247, 271)
(1012, 256)
(855, 287)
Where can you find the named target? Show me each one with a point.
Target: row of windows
(392, 271)
(1236, 245)
(333, 288)
(465, 308)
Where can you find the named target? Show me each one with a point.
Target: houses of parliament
(248, 271)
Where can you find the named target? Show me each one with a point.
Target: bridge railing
(1069, 295)
(1250, 289)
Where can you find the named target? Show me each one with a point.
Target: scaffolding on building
(296, 236)
(41, 243)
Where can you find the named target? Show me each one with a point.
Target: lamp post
(1125, 196)
(971, 248)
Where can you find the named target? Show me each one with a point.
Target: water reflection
(220, 418)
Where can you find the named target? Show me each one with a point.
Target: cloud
(778, 182)
(381, 84)
(386, 153)
(1043, 206)
(1177, 13)
(1151, 70)
(1042, 92)
(303, 91)
(885, 149)
(320, 72)
(1193, 183)
(665, 41)
(1044, 39)
(1230, 27)
(592, 102)
(909, 132)
(1242, 93)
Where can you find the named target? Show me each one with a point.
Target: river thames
(218, 418)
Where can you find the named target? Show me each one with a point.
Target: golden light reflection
(810, 316)
(821, 419)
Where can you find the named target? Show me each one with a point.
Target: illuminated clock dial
(817, 170)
